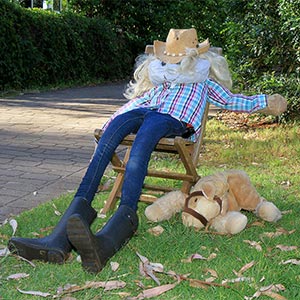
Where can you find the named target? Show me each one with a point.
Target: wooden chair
(187, 151)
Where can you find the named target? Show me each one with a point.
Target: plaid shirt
(186, 102)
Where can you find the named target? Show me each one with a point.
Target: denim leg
(119, 127)
(154, 127)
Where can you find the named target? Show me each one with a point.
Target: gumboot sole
(85, 243)
(37, 252)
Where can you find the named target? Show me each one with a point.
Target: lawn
(260, 262)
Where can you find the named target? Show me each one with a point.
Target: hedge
(41, 48)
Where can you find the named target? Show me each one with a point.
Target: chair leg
(113, 196)
(116, 190)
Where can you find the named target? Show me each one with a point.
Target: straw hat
(178, 45)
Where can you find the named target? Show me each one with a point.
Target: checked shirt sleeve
(223, 98)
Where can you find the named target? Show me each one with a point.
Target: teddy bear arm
(165, 207)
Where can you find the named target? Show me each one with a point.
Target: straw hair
(141, 83)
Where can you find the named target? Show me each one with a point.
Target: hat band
(174, 54)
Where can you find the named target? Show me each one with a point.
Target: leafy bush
(100, 39)
(262, 44)
(144, 21)
(40, 48)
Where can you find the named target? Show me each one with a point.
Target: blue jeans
(150, 126)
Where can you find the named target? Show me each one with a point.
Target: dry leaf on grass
(238, 279)
(26, 260)
(193, 257)
(148, 268)
(244, 268)
(254, 244)
(270, 291)
(204, 284)
(286, 248)
(278, 232)
(34, 293)
(114, 266)
(257, 223)
(157, 230)
(17, 276)
(107, 285)
(211, 272)
(56, 211)
(291, 261)
(153, 292)
(4, 252)
(212, 256)
(14, 225)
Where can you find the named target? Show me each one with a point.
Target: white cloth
(159, 72)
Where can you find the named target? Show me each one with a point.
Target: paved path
(46, 142)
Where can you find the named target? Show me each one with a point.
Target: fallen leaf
(56, 211)
(122, 294)
(157, 230)
(4, 252)
(257, 223)
(274, 295)
(212, 272)
(205, 284)
(154, 292)
(212, 256)
(17, 276)
(286, 248)
(198, 284)
(273, 287)
(192, 257)
(14, 224)
(270, 291)
(262, 279)
(26, 260)
(244, 268)
(210, 279)
(34, 293)
(147, 268)
(114, 266)
(238, 279)
(291, 261)
(278, 232)
(254, 244)
(107, 285)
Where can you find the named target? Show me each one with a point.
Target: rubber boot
(56, 247)
(96, 250)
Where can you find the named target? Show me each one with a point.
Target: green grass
(271, 158)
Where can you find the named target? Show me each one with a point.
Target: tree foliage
(143, 21)
(101, 38)
(41, 48)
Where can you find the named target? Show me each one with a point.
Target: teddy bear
(216, 201)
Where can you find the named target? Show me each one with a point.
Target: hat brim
(160, 47)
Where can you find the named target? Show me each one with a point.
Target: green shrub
(144, 21)
(39, 48)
